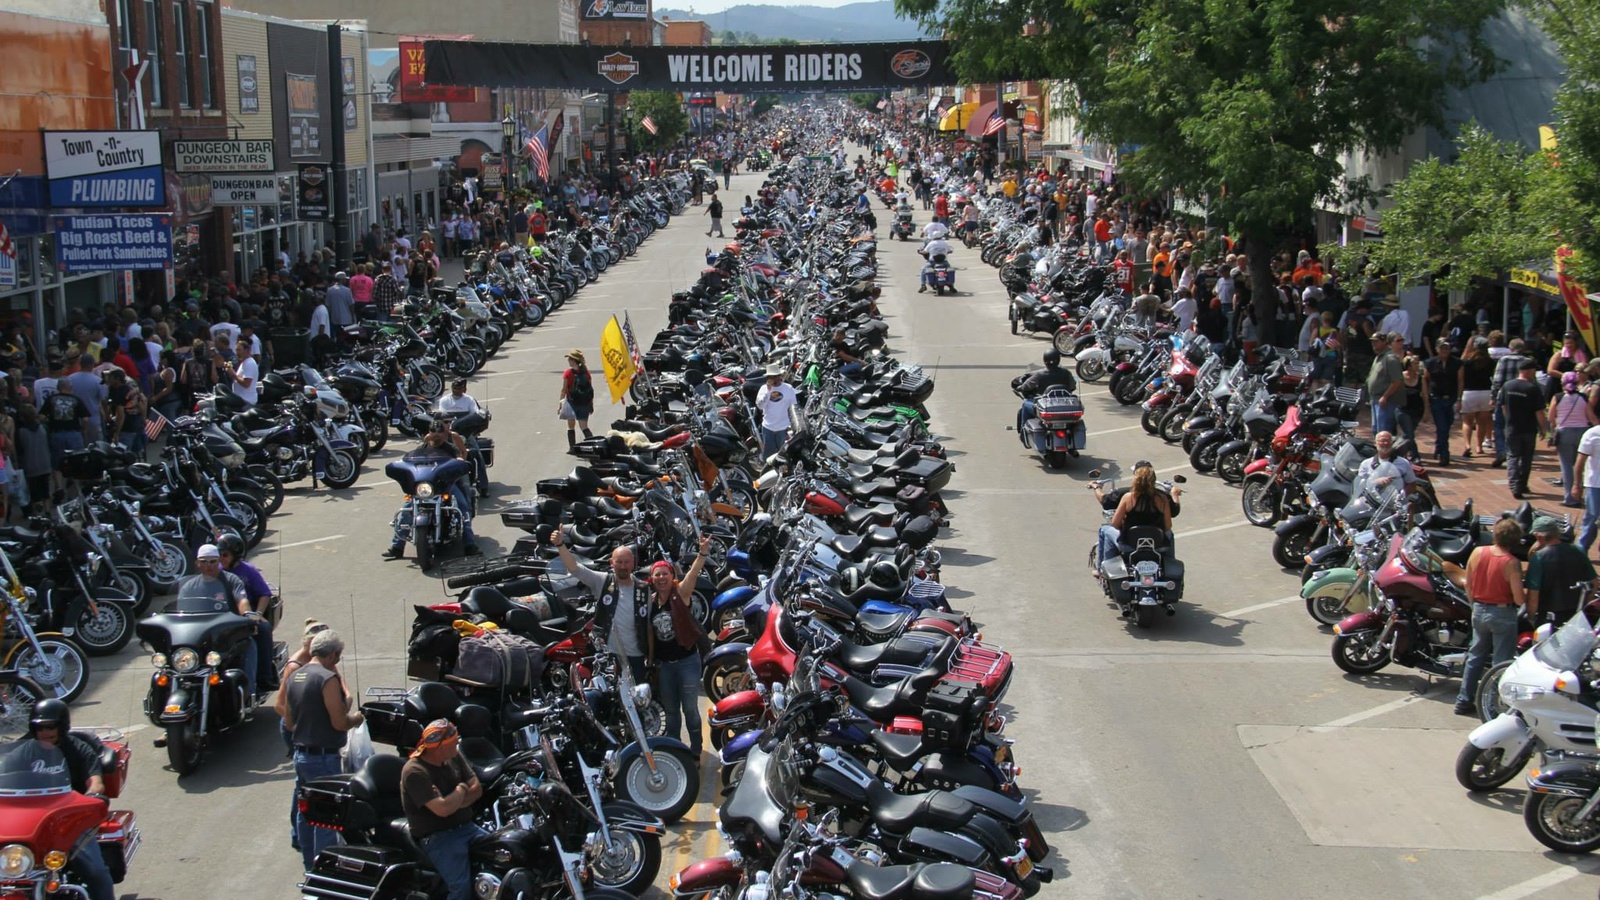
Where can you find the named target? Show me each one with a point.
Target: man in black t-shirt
(1523, 404)
(50, 724)
(1558, 573)
(67, 419)
(1444, 386)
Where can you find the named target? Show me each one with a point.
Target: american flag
(648, 124)
(154, 425)
(538, 148)
(6, 247)
(633, 345)
(995, 125)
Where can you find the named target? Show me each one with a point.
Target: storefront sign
(305, 115)
(314, 187)
(104, 168)
(249, 96)
(490, 172)
(347, 75)
(113, 241)
(729, 69)
(413, 80)
(222, 156)
(244, 190)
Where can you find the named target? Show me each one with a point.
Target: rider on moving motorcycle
(51, 725)
(440, 438)
(933, 251)
(1032, 385)
(1144, 503)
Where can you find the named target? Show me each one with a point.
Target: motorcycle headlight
(15, 861)
(641, 694)
(424, 490)
(187, 659)
(1513, 693)
(213, 659)
(158, 660)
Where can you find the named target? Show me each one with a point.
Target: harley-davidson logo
(910, 64)
(618, 67)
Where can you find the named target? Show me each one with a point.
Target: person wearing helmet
(1036, 383)
(230, 549)
(50, 724)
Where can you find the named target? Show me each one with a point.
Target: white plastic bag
(357, 748)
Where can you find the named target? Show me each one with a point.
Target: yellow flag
(614, 357)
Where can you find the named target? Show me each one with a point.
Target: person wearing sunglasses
(50, 724)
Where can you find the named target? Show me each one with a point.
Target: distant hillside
(871, 21)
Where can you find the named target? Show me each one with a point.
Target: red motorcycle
(42, 819)
(1291, 459)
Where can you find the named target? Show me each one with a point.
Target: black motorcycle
(430, 518)
(199, 688)
(65, 570)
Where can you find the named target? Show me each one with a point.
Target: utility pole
(339, 184)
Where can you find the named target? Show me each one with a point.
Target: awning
(975, 125)
(957, 117)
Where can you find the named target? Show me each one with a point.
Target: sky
(716, 6)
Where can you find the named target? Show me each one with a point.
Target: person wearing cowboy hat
(775, 400)
(1397, 320)
(576, 403)
(437, 790)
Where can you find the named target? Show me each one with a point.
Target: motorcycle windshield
(1567, 649)
(30, 769)
(1380, 487)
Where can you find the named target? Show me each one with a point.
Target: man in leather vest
(622, 613)
(315, 710)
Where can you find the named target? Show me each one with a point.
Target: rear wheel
(1146, 616)
(1055, 459)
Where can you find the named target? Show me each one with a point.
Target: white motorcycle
(1544, 708)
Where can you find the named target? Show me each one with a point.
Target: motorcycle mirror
(1179, 479)
(1094, 473)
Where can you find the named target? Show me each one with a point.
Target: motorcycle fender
(946, 770)
(737, 650)
(733, 598)
(739, 746)
(624, 816)
(1199, 424)
(1332, 579)
(1093, 353)
(183, 704)
(1260, 465)
(925, 842)
(1507, 732)
(1211, 434)
(1293, 523)
(738, 705)
(129, 563)
(626, 754)
(1232, 446)
(1578, 778)
(1327, 551)
(341, 445)
(1361, 621)
(995, 804)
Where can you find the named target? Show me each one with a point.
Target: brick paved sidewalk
(1474, 479)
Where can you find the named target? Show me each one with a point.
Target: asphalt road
(1220, 754)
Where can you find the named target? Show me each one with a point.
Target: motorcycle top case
(1055, 409)
(953, 712)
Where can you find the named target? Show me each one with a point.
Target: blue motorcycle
(438, 508)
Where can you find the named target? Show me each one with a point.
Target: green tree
(1475, 217)
(866, 101)
(665, 110)
(1253, 103)
(1572, 190)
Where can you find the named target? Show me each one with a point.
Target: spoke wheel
(62, 672)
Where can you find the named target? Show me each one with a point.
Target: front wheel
(1064, 342)
(62, 671)
(1552, 819)
(377, 426)
(17, 696)
(724, 678)
(342, 471)
(184, 747)
(1489, 690)
(1172, 425)
(105, 630)
(629, 862)
(532, 314)
(669, 790)
(1289, 548)
(1260, 501)
(424, 542)
(1203, 456)
(1091, 370)
(169, 561)
(1327, 609)
(1480, 770)
(1011, 313)
(1230, 465)
(1359, 652)
(1128, 390)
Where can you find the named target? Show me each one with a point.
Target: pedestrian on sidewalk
(1523, 405)
(1385, 381)
(1414, 402)
(1559, 574)
(1505, 371)
(1494, 582)
(1588, 468)
(714, 210)
(1571, 417)
(576, 403)
(1477, 402)
(1444, 394)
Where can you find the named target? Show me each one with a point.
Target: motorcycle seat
(939, 810)
(901, 751)
(482, 754)
(857, 517)
(864, 457)
(399, 831)
(902, 698)
(881, 625)
(611, 508)
(378, 783)
(432, 700)
(908, 650)
(1453, 548)
(918, 881)
(1442, 519)
(20, 533)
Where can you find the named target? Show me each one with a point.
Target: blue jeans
(1567, 447)
(252, 659)
(851, 369)
(309, 767)
(448, 850)
(772, 442)
(1107, 542)
(1383, 418)
(1494, 629)
(1444, 418)
(1591, 519)
(264, 669)
(1499, 433)
(680, 694)
(463, 502)
(62, 443)
(90, 866)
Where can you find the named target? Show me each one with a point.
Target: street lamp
(508, 130)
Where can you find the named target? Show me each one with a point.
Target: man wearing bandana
(437, 790)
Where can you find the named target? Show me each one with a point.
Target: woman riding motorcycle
(1144, 503)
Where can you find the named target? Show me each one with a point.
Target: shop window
(124, 53)
(180, 51)
(154, 92)
(205, 51)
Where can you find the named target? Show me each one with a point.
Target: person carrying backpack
(576, 402)
(194, 378)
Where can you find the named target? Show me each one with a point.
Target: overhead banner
(93, 169)
(109, 242)
(416, 87)
(244, 190)
(223, 156)
(730, 69)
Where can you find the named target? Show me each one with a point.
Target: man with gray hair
(316, 711)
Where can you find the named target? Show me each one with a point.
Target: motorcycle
(1145, 577)
(1422, 614)
(46, 822)
(430, 518)
(903, 227)
(1056, 430)
(941, 275)
(198, 690)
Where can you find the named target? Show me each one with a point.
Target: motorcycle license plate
(1024, 866)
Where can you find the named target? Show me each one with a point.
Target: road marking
(1114, 430)
(557, 328)
(1535, 884)
(1235, 613)
(331, 537)
(1196, 531)
(527, 350)
(489, 375)
(494, 399)
(1374, 712)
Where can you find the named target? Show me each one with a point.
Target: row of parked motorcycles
(856, 717)
(1381, 564)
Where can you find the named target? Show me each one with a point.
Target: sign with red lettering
(414, 87)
